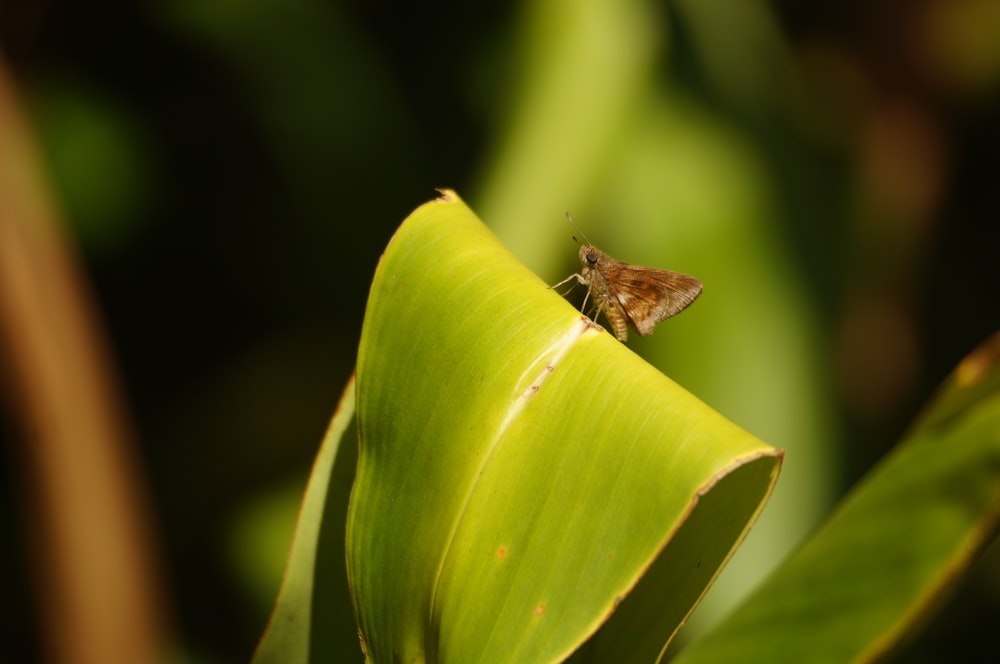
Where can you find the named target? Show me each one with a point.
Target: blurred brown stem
(89, 519)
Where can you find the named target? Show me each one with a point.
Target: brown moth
(642, 296)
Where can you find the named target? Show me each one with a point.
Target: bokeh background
(228, 173)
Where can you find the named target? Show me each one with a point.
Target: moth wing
(649, 295)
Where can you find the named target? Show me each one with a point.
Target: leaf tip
(976, 366)
(446, 195)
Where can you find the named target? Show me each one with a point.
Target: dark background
(230, 175)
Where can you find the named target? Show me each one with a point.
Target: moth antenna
(573, 223)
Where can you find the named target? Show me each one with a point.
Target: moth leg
(578, 278)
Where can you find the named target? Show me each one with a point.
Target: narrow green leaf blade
(310, 593)
(895, 545)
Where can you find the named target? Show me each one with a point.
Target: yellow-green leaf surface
(520, 469)
(892, 549)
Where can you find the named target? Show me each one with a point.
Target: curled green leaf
(520, 470)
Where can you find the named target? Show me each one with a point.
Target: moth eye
(592, 258)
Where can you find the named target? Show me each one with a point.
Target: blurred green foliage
(232, 172)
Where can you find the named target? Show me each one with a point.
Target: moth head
(589, 256)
